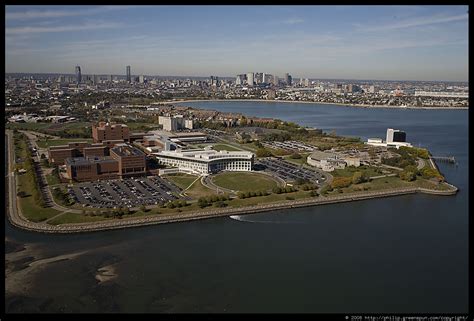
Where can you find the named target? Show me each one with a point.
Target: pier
(445, 159)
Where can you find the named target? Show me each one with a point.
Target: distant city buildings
(447, 94)
(128, 74)
(78, 74)
(250, 80)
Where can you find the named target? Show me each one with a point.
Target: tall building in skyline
(78, 74)
(288, 79)
(129, 74)
(250, 79)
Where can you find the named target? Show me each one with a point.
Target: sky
(350, 42)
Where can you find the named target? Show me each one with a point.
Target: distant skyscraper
(141, 79)
(95, 79)
(288, 79)
(129, 74)
(276, 81)
(250, 79)
(306, 82)
(78, 75)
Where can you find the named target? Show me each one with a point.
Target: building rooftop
(205, 155)
(126, 150)
(88, 160)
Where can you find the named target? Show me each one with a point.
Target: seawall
(207, 214)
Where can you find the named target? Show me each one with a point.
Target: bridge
(448, 159)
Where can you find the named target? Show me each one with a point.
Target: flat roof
(88, 160)
(127, 150)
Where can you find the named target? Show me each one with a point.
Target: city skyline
(325, 42)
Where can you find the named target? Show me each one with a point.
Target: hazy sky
(354, 42)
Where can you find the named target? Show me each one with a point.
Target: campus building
(105, 131)
(395, 138)
(202, 161)
(174, 123)
(58, 154)
(327, 161)
(124, 161)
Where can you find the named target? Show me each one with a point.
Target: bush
(295, 156)
(341, 182)
(220, 204)
(359, 177)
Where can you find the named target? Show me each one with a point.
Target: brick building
(105, 131)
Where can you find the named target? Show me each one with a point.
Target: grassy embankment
(29, 207)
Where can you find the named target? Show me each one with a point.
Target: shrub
(341, 182)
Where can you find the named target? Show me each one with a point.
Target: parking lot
(124, 193)
(290, 145)
(290, 172)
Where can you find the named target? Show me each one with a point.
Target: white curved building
(201, 161)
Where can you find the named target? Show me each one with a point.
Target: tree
(359, 177)
(341, 182)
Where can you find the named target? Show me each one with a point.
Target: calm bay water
(402, 254)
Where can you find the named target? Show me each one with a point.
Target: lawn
(220, 147)
(350, 170)
(181, 180)
(29, 208)
(197, 190)
(244, 181)
(267, 199)
(45, 143)
(27, 126)
(299, 161)
(52, 179)
(75, 218)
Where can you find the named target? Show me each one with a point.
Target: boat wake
(242, 218)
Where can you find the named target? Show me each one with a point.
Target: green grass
(244, 181)
(267, 199)
(67, 218)
(43, 143)
(52, 179)
(300, 161)
(198, 190)
(350, 170)
(181, 180)
(29, 208)
(220, 147)
(27, 126)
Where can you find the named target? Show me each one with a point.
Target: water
(402, 254)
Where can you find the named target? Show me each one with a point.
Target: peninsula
(82, 174)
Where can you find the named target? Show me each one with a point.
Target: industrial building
(206, 161)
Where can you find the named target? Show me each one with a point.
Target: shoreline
(314, 102)
(182, 217)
